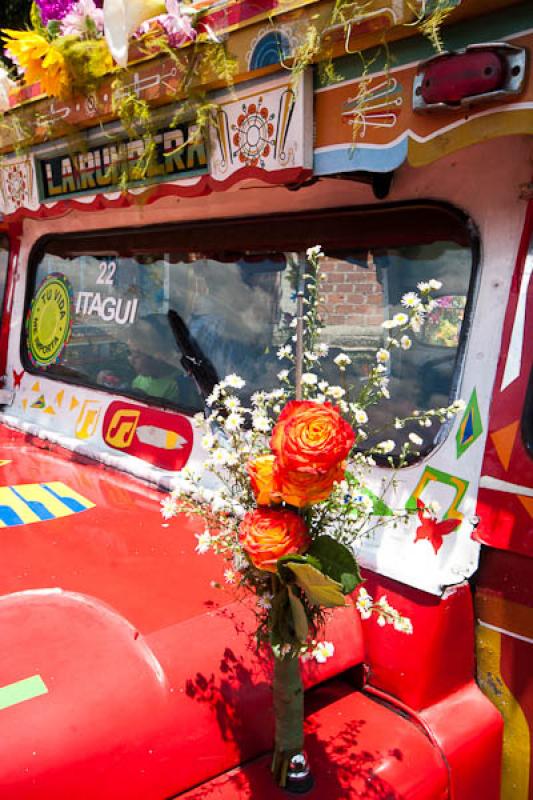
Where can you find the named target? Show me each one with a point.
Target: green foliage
(301, 625)
(318, 588)
(436, 14)
(87, 61)
(337, 562)
(36, 21)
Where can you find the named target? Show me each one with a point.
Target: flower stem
(289, 713)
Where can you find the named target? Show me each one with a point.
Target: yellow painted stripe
(37, 493)
(65, 491)
(513, 617)
(516, 738)
(504, 122)
(10, 499)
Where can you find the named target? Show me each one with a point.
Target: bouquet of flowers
(72, 44)
(291, 500)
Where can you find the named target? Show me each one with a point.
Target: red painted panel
(358, 749)
(469, 731)
(506, 521)
(160, 437)
(436, 659)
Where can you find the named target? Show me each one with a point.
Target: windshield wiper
(193, 360)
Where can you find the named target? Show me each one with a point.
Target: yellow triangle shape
(49, 410)
(3, 463)
(527, 502)
(36, 387)
(25, 403)
(503, 441)
(73, 403)
(59, 397)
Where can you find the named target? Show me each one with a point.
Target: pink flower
(84, 19)
(176, 24)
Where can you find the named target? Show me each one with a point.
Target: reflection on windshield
(231, 313)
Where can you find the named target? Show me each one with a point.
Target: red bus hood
(124, 673)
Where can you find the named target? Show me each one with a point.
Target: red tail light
(478, 74)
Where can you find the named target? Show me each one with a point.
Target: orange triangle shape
(527, 502)
(49, 410)
(36, 387)
(59, 397)
(503, 441)
(25, 404)
(73, 403)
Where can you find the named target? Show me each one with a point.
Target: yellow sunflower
(39, 60)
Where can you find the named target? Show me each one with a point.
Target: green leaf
(319, 589)
(54, 29)
(337, 562)
(283, 562)
(301, 625)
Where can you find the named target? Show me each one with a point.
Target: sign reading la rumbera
(170, 153)
(49, 320)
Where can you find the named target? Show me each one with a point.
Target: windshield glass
(161, 314)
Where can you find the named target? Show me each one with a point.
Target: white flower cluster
(386, 614)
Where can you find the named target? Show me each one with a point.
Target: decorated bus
(266, 403)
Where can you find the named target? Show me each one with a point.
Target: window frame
(298, 232)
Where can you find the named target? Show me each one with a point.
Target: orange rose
(311, 437)
(302, 489)
(268, 534)
(263, 479)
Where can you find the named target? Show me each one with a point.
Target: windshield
(162, 314)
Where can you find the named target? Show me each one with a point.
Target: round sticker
(49, 320)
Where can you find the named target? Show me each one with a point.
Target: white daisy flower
(235, 381)
(323, 651)
(401, 318)
(364, 604)
(382, 356)
(342, 361)
(322, 349)
(410, 300)
(361, 417)
(219, 457)
(265, 602)
(336, 392)
(230, 576)
(423, 287)
(284, 352)
(208, 441)
(233, 422)
(283, 374)
(232, 402)
(309, 379)
(204, 542)
(169, 507)
(405, 342)
(261, 423)
(314, 252)
(385, 447)
(435, 285)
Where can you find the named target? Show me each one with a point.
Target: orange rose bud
(311, 437)
(267, 534)
(263, 479)
(302, 489)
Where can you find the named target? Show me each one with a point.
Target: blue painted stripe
(360, 159)
(39, 509)
(69, 502)
(9, 517)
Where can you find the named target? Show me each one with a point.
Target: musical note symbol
(122, 428)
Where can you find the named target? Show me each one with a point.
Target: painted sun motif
(253, 135)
